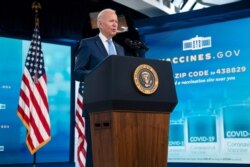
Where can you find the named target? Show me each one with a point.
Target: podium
(129, 127)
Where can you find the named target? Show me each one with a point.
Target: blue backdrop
(211, 65)
(13, 149)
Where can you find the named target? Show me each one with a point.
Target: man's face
(109, 24)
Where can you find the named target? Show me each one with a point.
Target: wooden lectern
(129, 128)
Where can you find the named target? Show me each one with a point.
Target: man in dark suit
(93, 51)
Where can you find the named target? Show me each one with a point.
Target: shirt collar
(103, 38)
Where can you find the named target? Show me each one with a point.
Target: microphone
(142, 45)
(129, 42)
(136, 44)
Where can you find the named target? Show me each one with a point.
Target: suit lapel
(117, 49)
(101, 46)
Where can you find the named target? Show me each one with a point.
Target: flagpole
(34, 160)
(36, 6)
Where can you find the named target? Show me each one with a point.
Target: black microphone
(129, 42)
(142, 45)
(135, 44)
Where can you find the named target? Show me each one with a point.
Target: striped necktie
(111, 49)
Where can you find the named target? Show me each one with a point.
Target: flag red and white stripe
(80, 127)
(33, 108)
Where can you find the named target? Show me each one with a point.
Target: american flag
(33, 108)
(80, 127)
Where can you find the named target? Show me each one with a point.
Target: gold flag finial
(36, 6)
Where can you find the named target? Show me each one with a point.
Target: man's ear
(99, 24)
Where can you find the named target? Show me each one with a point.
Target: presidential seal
(146, 79)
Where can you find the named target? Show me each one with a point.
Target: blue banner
(211, 65)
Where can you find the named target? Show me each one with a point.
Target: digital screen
(211, 69)
(13, 149)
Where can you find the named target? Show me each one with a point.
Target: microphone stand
(137, 52)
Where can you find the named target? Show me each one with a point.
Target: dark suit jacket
(90, 53)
